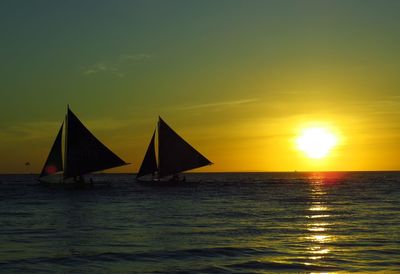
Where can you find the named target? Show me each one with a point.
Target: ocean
(224, 223)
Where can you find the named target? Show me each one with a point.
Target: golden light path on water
(318, 222)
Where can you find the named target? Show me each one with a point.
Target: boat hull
(57, 180)
(162, 182)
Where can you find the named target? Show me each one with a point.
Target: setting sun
(316, 142)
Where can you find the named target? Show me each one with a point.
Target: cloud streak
(118, 67)
(30, 131)
(46, 129)
(99, 68)
(220, 104)
(135, 57)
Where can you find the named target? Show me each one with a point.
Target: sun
(316, 142)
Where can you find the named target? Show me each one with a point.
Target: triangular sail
(84, 152)
(175, 154)
(54, 162)
(149, 164)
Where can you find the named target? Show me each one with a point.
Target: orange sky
(238, 80)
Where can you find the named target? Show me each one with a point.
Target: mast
(158, 146)
(65, 140)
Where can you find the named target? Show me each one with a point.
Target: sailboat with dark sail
(175, 155)
(83, 154)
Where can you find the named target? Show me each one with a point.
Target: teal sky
(236, 78)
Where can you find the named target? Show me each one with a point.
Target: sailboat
(175, 155)
(83, 154)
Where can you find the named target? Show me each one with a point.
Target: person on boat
(174, 178)
(79, 179)
(155, 176)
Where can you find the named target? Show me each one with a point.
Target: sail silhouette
(83, 153)
(175, 155)
(54, 162)
(149, 164)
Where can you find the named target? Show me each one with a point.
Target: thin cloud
(292, 92)
(45, 129)
(118, 67)
(220, 104)
(30, 131)
(136, 57)
(99, 68)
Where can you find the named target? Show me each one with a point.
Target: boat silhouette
(83, 154)
(175, 156)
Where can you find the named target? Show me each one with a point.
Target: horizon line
(243, 171)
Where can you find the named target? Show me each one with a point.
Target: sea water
(224, 223)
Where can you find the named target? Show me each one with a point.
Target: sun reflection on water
(318, 222)
(318, 216)
(318, 208)
(314, 250)
(315, 229)
(319, 238)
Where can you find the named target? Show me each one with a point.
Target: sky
(239, 80)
